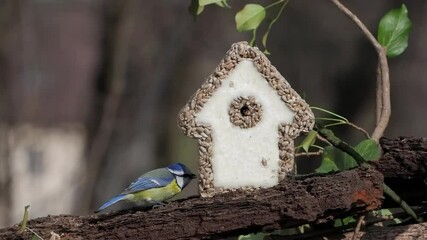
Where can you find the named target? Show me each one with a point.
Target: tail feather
(111, 202)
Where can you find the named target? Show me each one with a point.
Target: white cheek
(180, 181)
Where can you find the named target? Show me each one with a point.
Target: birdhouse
(245, 117)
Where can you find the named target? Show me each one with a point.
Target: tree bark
(403, 158)
(291, 203)
(404, 165)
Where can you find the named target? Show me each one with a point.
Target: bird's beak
(193, 176)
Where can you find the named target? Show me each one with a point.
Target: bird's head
(182, 174)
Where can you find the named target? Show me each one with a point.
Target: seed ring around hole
(245, 112)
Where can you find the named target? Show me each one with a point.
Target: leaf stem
(331, 119)
(253, 39)
(329, 112)
(275, 3)
(335, 124)
(317, 153)
(265, 37)
(387, 190)
(338, 143)
(315, 146)
(360, 129)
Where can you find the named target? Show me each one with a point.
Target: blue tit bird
(155, 186)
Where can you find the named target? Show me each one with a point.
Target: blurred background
(90, 89)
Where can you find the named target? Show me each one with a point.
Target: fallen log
(291, 203)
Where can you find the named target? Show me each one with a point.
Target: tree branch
(293, 202)
(384, 103)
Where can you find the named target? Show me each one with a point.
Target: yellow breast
(156, 195)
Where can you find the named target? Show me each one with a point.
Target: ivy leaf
(208, 2)
(393, 31)
(195, 9)
(223, 4)
(344, 222)
(387, 213)
(342, 160)
(334, 159)
(309, 140)
(250, 17)
(369, 150)
(328, 164)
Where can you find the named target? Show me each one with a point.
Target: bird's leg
(159, 204)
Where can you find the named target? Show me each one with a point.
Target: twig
(317, 153)
(385, 104)
(360, 129)
(323, 140)
(379, 94)
(343, 146)
(29, 229)
(357, 228)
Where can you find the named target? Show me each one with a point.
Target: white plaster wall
(238, 153)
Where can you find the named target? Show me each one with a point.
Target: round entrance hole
(245, 112)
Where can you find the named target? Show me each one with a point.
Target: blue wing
(153, 179)
(111, 202)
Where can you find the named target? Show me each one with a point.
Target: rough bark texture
(403, 158)
(293, 202)
(404, 166)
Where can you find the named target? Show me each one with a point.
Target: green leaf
(328, 160)
(369, 150)
(348, 220)
(333, 159)
(387, 213)
(195, 9)
(393, 31)
(208, 2)
(250, 17)
(309, 140)
(338, 223)
(253, 236)
(223, 4)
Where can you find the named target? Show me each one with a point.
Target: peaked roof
(303, 119)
